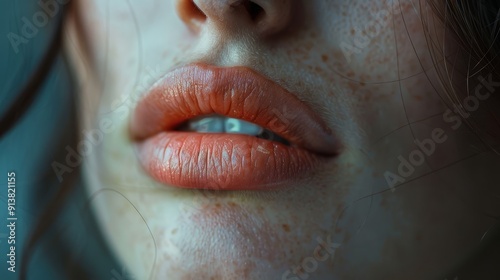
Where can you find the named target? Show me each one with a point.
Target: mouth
(206, 127)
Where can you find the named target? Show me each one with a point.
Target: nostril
(191, 12)
(262, 17)
(254, 10)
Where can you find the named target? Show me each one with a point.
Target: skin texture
(378, 98)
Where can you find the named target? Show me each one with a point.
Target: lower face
(405, 197)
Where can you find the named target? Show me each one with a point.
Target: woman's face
(401, 191)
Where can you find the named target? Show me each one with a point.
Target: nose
(258, 17)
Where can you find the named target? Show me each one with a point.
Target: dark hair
(51, 235)
(474, 25)
(18, 108)
(474, 28)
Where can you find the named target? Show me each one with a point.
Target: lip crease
(220, 161)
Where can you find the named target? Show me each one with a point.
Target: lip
(220, 161)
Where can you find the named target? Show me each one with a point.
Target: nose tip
(260, 17)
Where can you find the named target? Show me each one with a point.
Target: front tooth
(218, 124)
(208, 124)
(241, 127)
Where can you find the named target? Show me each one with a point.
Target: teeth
(219, 124)
(208, 124)
(241, 127)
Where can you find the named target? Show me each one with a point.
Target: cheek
(390, 80)
(126, 47)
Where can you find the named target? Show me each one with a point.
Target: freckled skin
(367, 95)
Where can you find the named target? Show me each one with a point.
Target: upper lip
(236, 92)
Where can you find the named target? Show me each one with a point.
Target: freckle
(383, 202)
(308, 47)
(231, 204)
(353, 31)
(217, 205)
(174, 231)
(418, 237)
(324, 58)
(286, 227)
(347, 237)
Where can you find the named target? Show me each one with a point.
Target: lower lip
(224, 161)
